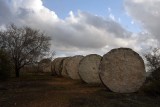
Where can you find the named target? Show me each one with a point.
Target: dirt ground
(50, 91)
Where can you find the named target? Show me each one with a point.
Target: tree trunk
(17, 73)
(17, 70)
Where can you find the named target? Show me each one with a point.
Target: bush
(152, 86)
(153, 59)
(155, 75)
(5, 65)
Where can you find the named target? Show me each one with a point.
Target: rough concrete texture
(47, 67)
(72, 67)
(64, 64)
(53, 67)
(89, 69)
(122, 70)
(44, 65)
(58, 66)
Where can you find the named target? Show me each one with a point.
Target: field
(49, 91)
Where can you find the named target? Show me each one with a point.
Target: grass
(46, 91)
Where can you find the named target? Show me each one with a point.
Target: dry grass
(47, 91)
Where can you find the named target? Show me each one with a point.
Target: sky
(81, 27)
(103, 8)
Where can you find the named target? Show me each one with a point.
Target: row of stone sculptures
(121, 70)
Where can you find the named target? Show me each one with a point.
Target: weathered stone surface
(53, 67)
(89, 69)
(58, 66)
(47, 67)
(64, 64)
(122, 70)
(72, 67)
(44, 65)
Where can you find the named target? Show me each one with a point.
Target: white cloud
(132, 22)
(112, 16)
(119, 20)
(146, 13)
(80, 33)
(109, 9)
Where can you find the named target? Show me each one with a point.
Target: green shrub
(5, 65)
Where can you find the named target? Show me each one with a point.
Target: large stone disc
(58, 66)
(122, 70)
(72, 67)
(47, 68)
(53, 67)
(45, 65)
(89, 69)
(64, 70)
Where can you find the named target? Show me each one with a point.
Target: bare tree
(24, 44)
(49, 55)
(153, 59)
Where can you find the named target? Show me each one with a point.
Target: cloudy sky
(87, 27)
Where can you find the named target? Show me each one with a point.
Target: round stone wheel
(58, 66)
(53, 67)
(89, 69)
(64, 64)
(45, 65)
(72, 66)
(122, 70)
(47, 68)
